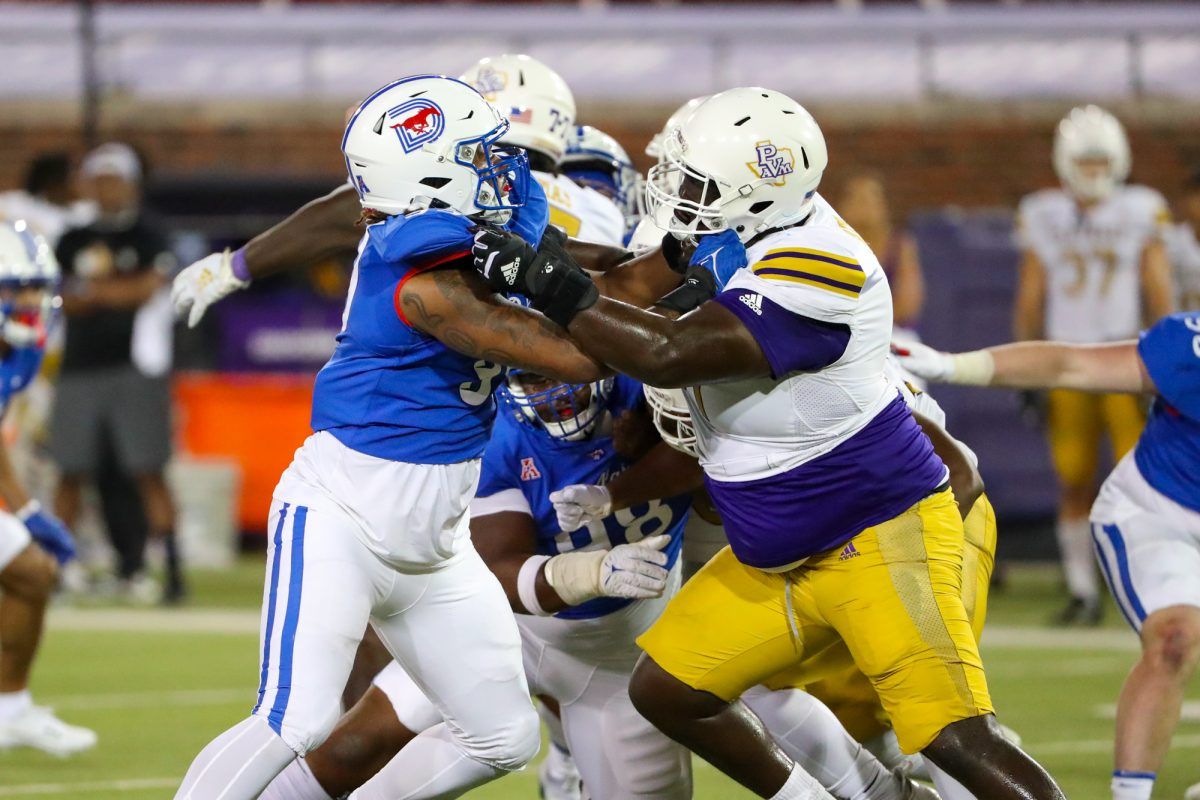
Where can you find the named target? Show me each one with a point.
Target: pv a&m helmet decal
(772, 163)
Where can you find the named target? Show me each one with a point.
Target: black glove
(677, 253)
(549, 277)
(698, 287)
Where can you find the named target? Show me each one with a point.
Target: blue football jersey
(522, 456)
(17, 370)
(389, 390)
(1168, 452)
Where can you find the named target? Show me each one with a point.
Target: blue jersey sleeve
(626, 395)
(422, 239)
(497, 473)
(1171, 352)
(17, 371)
(530, 220)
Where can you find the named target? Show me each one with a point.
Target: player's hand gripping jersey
(827, 429)
(389, 390)
(1092, 259)
(523, 465)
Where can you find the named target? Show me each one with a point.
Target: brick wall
(928, 163)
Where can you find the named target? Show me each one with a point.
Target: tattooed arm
(457, 308)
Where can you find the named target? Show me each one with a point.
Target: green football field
(157, 685)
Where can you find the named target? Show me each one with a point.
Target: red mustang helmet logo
(420, 122)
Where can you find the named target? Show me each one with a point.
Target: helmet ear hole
(761, 206)
(434, 183)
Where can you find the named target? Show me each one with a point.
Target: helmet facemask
(502, 173)
(672, 418)
(566, 411)
(693, 198)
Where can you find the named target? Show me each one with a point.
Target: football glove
(48, 531)
(200, 285)
(580, 504)
(633, 571)
(548, 276)
(722, 253)
(975, 368)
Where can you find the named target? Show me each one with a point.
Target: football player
(370, 521)
(1145, 524)
(33, 543)
(1093, 269)
(838, 511)
(597, 161)
(581, 598)
(541, 114)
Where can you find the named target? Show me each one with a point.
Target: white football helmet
(28, 285)
(597, 160)
(537, 101)
(671, 416)
(431, 141)
(654, 149)
(746, 159)
(1091, 133)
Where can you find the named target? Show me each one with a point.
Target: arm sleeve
(790, 341)
(1171, 352)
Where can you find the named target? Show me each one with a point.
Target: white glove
(634, 571)
(925, 362)
(204, 283)
(580, 504)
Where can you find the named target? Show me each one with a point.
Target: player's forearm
(596, 257)
(11, 489)
(508, 571)
(965, 480)
(662, 472)
(321, 229)
(1054, 365)
(664, 352)
(1158, 291)
(123, 293)
(640, 281)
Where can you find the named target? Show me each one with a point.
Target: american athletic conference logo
(773, 163)
(419, 121)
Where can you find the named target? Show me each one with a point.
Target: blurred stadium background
(236, 109)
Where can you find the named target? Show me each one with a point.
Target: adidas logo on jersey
(529, 470)
(849, 552)
(753, 302)
(510, 270)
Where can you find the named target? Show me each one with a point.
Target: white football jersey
(1092, 259)
(756, 428)
(1184, 251)
(919, 400)
(581, 212)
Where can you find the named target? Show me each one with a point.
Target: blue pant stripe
(1118, 542)
(271, 597)
(287, 644)
(1108, 577)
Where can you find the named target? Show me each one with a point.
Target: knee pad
(510, 746)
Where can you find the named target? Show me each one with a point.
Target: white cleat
(37, 727)
(558, 779)
(1193, 792)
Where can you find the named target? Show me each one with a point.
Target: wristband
(527, 585)
(567, 291)
(28, 510)
(972, 369)
(237, 265)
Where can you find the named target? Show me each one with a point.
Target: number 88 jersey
(1092, 258)
(523, 464)
(390, 390)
